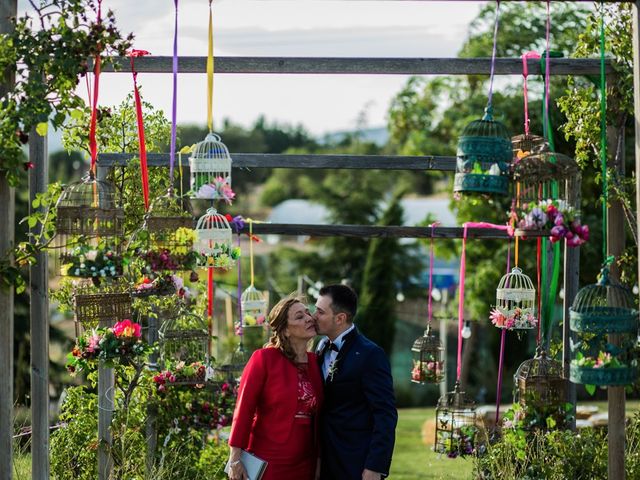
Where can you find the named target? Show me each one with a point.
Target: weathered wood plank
(265, 160)
(360, 66)
(375, 231)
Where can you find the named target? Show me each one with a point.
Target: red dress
(276, 414)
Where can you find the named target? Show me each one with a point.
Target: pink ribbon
(433, 225)
(525, 74)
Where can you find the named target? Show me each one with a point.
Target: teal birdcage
(483, 157)
(598, 310)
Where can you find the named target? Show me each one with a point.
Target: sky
(321, 103)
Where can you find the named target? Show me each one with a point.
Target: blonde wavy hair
(278, 321)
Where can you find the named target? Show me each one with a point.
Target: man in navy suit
(359, 418)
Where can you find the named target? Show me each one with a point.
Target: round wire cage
(184, 337)
(210, 165)
(539, 382)
(254, 308)
(102, 305)
(165, 239)
(515, 302)
(428, 359)
(232, 370)
(89, 230)
(523, 145)
(483, 157)
(542, 171)
(214, 241)
(456, 428)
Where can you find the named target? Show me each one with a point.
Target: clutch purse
(254, 466)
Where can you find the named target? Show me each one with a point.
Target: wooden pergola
(283, 65)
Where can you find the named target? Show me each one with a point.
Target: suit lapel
(349, 340)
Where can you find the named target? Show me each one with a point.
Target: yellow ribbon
(210, 73)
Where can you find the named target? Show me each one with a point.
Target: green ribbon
(603, 136)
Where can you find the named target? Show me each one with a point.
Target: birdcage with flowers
(210, 165)
(524, 144)
(254, 307)
(100, 305)
(89, 229)
(515, 302)
(183, 337)
(598, 310)
(456, 428)
(164, 242)
(428, 361)
(213, 243)
(483, 157)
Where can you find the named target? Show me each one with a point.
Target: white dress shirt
(331, 355)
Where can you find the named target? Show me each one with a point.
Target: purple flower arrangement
(562, 221)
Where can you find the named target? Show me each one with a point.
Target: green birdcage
(483, 157)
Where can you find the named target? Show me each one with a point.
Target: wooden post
(8, 9)
(39, 318)
(151, 426)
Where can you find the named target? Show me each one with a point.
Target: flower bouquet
(194, 374)
(427, 371)
(224, 258)
(458, 442)
(91, 262)
(121, 343)
(160, 286)
(602, 369)
(513, 319)
(219, 188)
(560, 219)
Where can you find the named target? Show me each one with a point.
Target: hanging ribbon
(525, 74)
(240, 319)
(251, 248)
(93, 143)
(493, 54)
(431, 260)
(210, 296)
(144, 172)
(172, 153)
(210, 68)
(463, 270)
(501, 357)
(603, 135)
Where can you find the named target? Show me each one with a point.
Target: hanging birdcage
(254, 308)
(483, 157)
(232, 370)
(100, 306)
(456, 428)
(214, 241)
(525, 144)
(598, 310)
(184, 337)
(210, 165)
(428, 360)
(89, 230)
(541, 389)
(543, 171)
(515, 302)
(165, 240)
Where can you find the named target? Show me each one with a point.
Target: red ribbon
(210, 294)
(144, 171)
(93, 144)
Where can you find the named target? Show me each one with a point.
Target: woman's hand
(237, 471)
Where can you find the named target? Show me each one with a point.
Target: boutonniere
(333, 368)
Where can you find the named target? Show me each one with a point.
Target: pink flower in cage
(260, 320)
(497, 317)
(238, 329)
(127, 329)
(510, 323)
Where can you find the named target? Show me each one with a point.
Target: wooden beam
(270, 160)
(8, 9)
(39, 318)
(359, 66)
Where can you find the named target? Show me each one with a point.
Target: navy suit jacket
(359, 416)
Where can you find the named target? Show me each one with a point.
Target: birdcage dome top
(210, 147)
(515, 286)
(456, 400)
(213, 220)
(543, 165)
(487, 127)
(89, 193)
(427, 342)
(539, 366)
(251, 294)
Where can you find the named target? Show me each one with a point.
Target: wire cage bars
(214, 242)
(524, 144)
(428, 359)
(89, 229)
(254, 308)
(598, 310)
(100, 306)
(515, 302)
(456, 429)
(483, 157)
(210, 170)
(183, 337)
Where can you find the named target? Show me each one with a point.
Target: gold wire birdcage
(542, 172)
(165, 240)
(428, 360)
(184, 337)
(210, 170)
(515, 302)
(525, 144)
(89, 230)
(102, 305)
(214, 241)
(456, 428)
(539, 387)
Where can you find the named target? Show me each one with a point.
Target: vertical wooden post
(151, 427)
(571, 284)
(39, 318)
(8, 9)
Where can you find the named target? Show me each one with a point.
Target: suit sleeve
(251, 385)
(377, 385)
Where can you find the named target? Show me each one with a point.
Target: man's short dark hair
(344, 299)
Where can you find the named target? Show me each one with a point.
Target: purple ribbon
(239, 286)
(237, 224)
(493, 53)
(172, 157)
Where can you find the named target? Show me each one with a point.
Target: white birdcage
(210, 166)
(254, 307)
(515, 302)
(214, 241)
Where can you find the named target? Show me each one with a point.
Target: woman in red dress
(279, 398)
